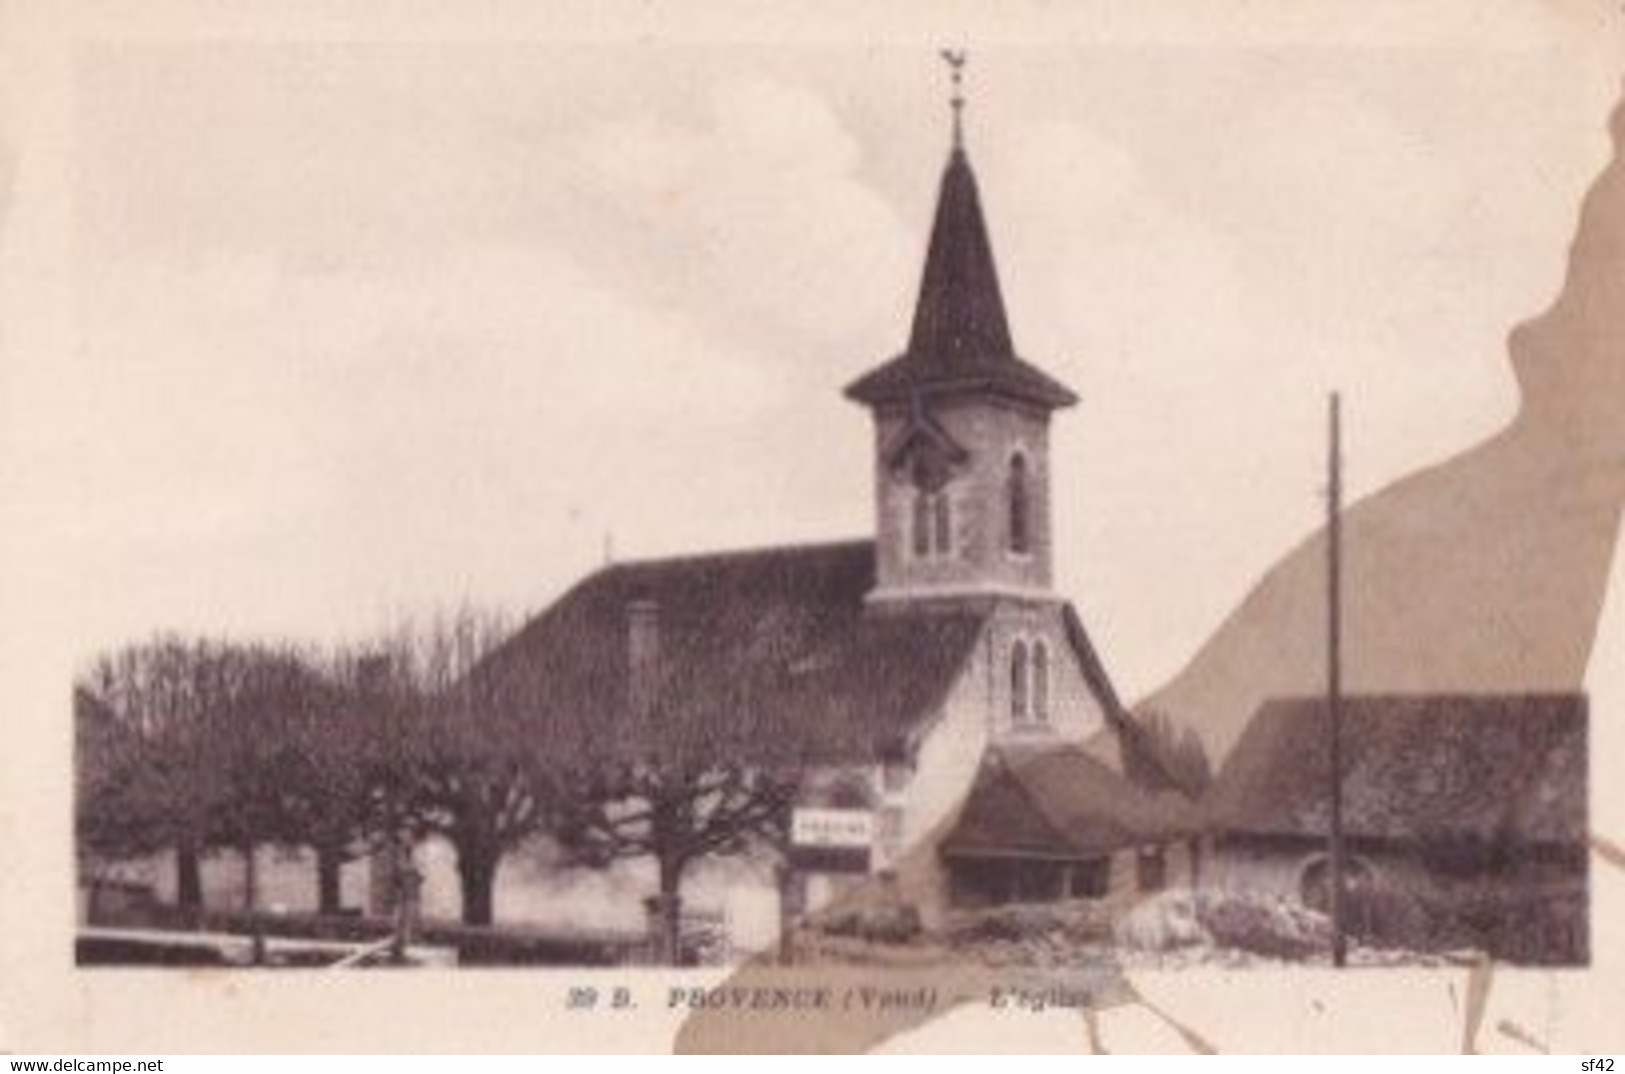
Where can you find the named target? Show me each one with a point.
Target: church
(930, 669)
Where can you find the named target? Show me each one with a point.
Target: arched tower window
(1040, 701)
(1021, 538)
(933, 531)
(1018, 681)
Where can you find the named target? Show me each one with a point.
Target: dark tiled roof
(1058, 801)
(961, 337)
(909, 373)
(763, 653)
(1422, 766)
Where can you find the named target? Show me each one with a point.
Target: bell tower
(962, 463)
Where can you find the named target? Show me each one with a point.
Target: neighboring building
(899, 667)
(1464, 815)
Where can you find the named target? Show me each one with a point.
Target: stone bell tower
(962, 462)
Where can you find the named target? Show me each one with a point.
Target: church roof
(1057, 801)
(961, 336)
(764, 654)
(1478, 767)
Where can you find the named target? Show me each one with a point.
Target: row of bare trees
(197, 745)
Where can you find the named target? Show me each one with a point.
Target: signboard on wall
(831, 840)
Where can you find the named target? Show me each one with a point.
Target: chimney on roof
(642, 655)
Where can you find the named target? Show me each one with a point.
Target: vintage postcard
(564, 527)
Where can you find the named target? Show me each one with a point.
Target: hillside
(1484, 573)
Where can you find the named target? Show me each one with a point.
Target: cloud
(757, 215)
(733, 194)
(389, 436)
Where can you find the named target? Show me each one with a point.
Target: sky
(364, 329)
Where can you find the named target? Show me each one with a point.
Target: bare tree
(481, 765)
(472, 771)
(651, 750)
(163, 787)
(264, 697)
(691, 766)
(114, 809)
(184, 746)
(341, 795)
(677, 807)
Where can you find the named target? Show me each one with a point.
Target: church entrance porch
(1046, 824)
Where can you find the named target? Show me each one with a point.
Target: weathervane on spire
(956, 64)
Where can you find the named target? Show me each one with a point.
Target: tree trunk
(792, 898)
(668, 913)
(188, 878)
(406, 885)
(477, 869)
(251, 901)
(251, 878)
(329, 866)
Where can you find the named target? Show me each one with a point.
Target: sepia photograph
(804, 541)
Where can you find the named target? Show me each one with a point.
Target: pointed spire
(960, 339)
(960, 314)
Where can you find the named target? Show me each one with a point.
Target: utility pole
(1334, 672)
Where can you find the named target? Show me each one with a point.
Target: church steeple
(960, 337)
(961, 422)
(960, 313)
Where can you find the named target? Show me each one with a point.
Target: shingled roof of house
(1454, 766)
(766, 652)
(1057, 801)
(961, 336)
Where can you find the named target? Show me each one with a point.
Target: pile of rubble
(1179, 929)
(1269, 927)
(1170, 931)
(1039, 934)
